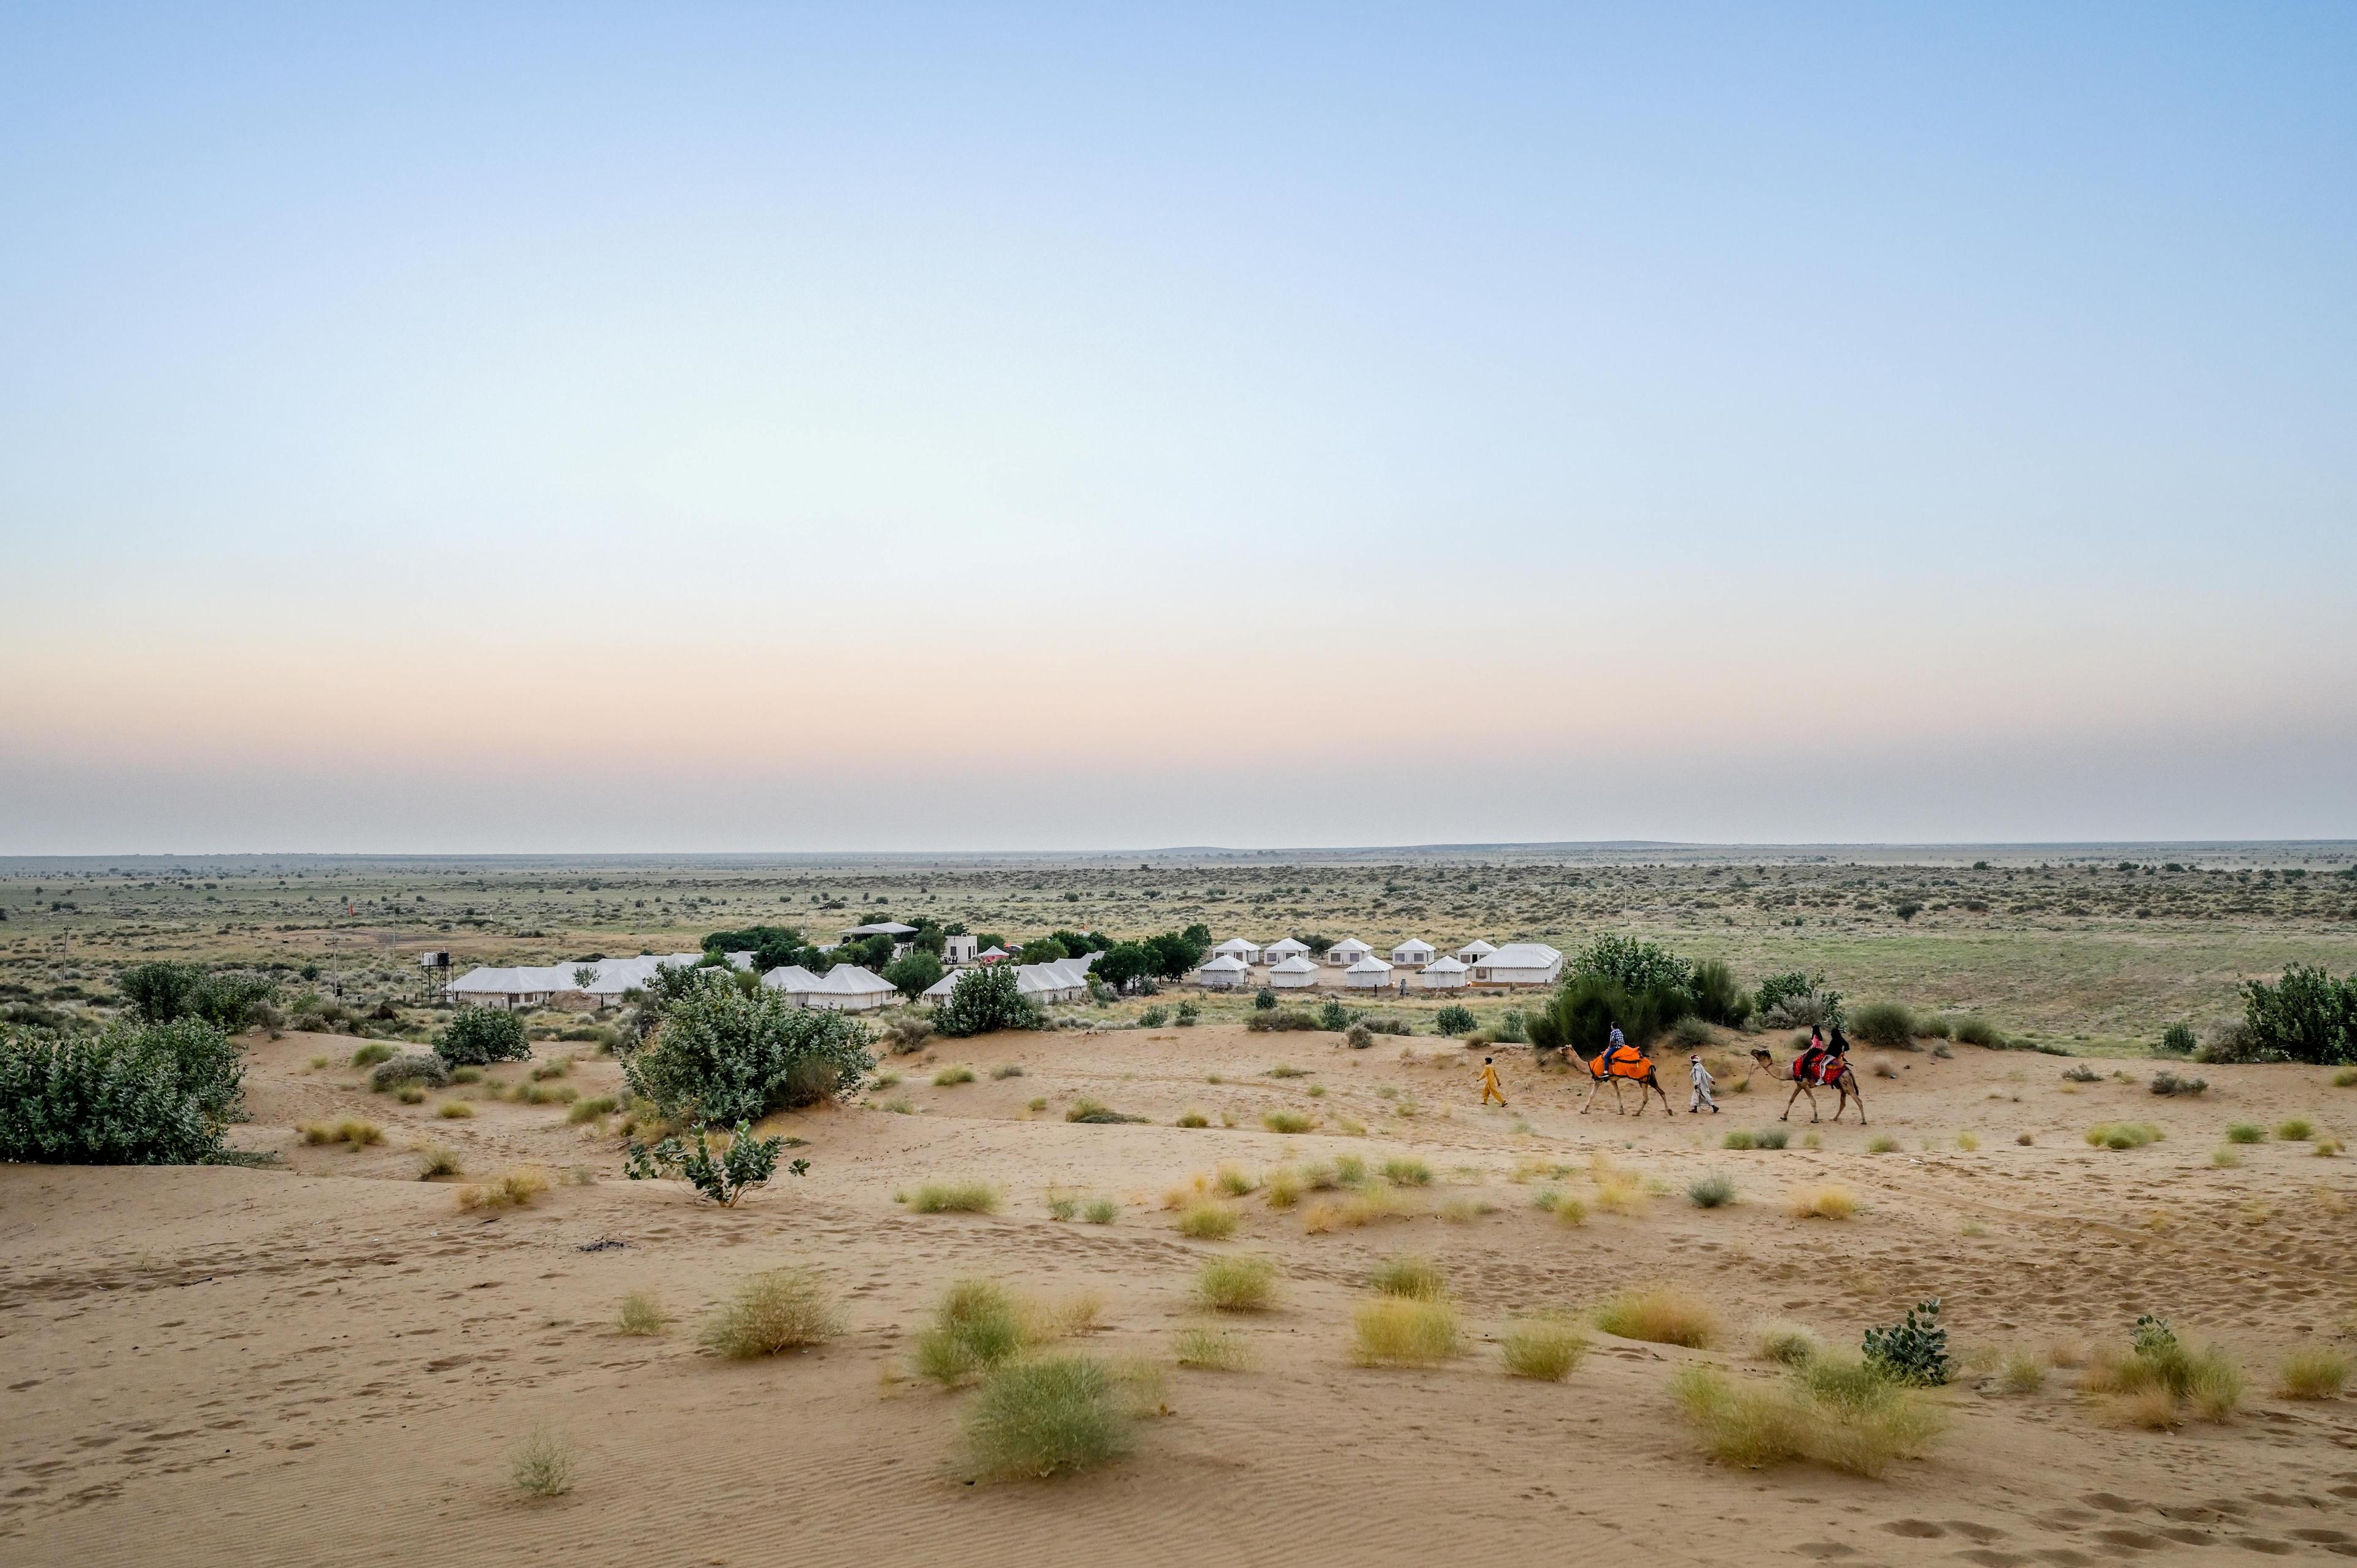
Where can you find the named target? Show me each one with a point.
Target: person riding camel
(1804, 1067)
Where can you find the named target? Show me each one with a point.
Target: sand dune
(330, 1363)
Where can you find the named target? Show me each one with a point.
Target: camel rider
(1805, 1070)
(1621, 1057)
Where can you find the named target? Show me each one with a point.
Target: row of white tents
(1290, 966)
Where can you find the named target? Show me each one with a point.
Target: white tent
(846, 988)
(1293, 973)
(792, 979)
(880, 929)
(1413, 953)
(1442, 974)
(1225, 973)
(529, 985)
(1282, 949)
(1474, 951)
(1347, 951)
(1519, 963)
(990, 954)
(1369, 973)
(1236, 948)
(1066, 980)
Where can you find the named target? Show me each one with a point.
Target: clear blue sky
(986, 427)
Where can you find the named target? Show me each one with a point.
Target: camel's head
(1759, 1054)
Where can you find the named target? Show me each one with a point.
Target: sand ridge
(329, 1363)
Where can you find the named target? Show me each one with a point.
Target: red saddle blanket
(1817, 1068)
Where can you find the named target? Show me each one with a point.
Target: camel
(1601, 1075)
(1844, 1081)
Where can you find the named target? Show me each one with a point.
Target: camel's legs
(1655, 1085)
(1798, 1089)
(1593, 1089)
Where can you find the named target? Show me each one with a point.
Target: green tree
(718, 1055)
(1125, 962)
(475, 1037)
(1044, 949)
(2307, 1017)
(160, 992)
(913, 971)
(984, 999)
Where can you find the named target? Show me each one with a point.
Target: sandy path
(330, 1364)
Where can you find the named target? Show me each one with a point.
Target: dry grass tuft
(1822, 1200)
(1545, 1347)
(1407, 1172)
(1033, 1419)
(434, 1160)
(1662, 1315)
(1286, 1121)
(1285, 1187)
(1212, 1350)
(1236, 1285)
(1235, 1181)
(542, 1464)
(2246, 1132)
(976, 1327)
(454, 1111)
(1208, 1221)
(1618, 1192)
(955, 1197)
(2124, 1134)
(2294, 1130)
(1101, 1211)
(1394, 1331)
(1881, 1143)
(772, 1312)
(349, 1131)
(1832, 1412)
(642, 1315)
(2021, 1374)
(1191, 1118)
(950, 1076)
(2203, 1381)
(516, 1189)
(1412, 1279)
(2317, 1374)
(1786, 1344)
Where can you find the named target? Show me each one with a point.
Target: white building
(1282, 949)
(1519, 963)
(1347, 951)
(959, 948)
(1413, 953)
(1442, 974)
(1474, 951)
(1236, 948)
(608, 978)
(1369, 973)
(1225, 973)
(846, 988)
(1294, 973)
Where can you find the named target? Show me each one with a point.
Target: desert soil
(330, 1363)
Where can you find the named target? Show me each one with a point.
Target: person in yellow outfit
(1489, 1088)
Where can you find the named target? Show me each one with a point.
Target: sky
(585, 428)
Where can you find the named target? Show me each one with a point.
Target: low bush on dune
(774, 1311)
(542, 1464)
(719, 1055)
(375, 1051)
(349, 1130)
(744, 1164)
(147, 1095)
(1713, 1190)
(1212, 1350)
(950, 1076)
(1399, 1331)
(1971, 1031)
(1738, 1138)
(1285, 1121)
(1886, 1024)
(641, 1314)
(1660, 1314)
(1786, 1344)
(1407, 1172)
(2170, 1085)
(2161, 1382)
(1544, 1348)
(1236, 1285)
(1827, 1411)
(2124, 1134)
(2246, 1132)
(1409, 1278)
(1035, 1419)
(1090, 1112)
(454, 1111)
(974, 1328)
(1208, 1221)
(1822, 1200)
(955, 1197)
(2312, 1375)
(1912, 1350)
(475, 1037)
(1101, 1211)
(413, 1070)
(2294, 1130)
(516, 1189)
(435, 1161)
(1284, 1020)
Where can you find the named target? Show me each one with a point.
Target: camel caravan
(1821, 1064)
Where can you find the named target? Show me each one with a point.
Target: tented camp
(791, 979)
(1412, 954)
(1369, 973)
(1236, 948)
(1282, 949)
(1066, 980)
(1519, 963)
(607, 980)
(991, 954)
(1293, 973)
(1347, 951)
(1474, 951)
(1442, 974)
(846, 988)
(1225, 973)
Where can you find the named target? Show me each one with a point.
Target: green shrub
(1033, 1419)
(1934, 1027)
(976, 1327)
(1771, 1137)
(912, 973)
(1825, 1412)
(373, 1053)
(1090, 1112)
(2246, 1132)
(721, 1056)
(746, 1163)
(1886, 1024)
(2178, 1040)
(1333, 1017)
(1971, 1031)
(475, 1037)
(2295, 1130)
(1101, 1211)
(542, 1464)
(1914, 1349)
(2305, 1017)
(986, 998)
(1547, 1348)
(1264, 1000)
(1236, 1285)
(415, 1067)
(1285, 1122)
(1717, 998)
(1280, 1022)
(951, 1076)
(1416, 1279)
(1454, 1020)
(955, 1197)
(2124, 1134)
(1188, 1015)
(1406, 1331)
(140, 1094)
(1739, 1138)
(1691, 1033)
(1711, 1191)
(1153, 1017)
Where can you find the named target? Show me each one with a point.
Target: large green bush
(166, 992)
(1886, 1024)
(1717, 999)
(719, 1055)
(1580, 1015)
(476, 1037)
(985, 999)
(138, 1094)
(2305, 1017)
(1635, 966)
(913, 972)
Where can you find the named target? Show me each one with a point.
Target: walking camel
(1833, 1072)
(1614, 1064)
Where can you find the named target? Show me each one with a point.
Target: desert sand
(330, 1362)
